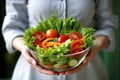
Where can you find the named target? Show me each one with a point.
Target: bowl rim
(87, 49)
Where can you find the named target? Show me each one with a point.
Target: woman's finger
(44, 71)
(27, 55)
(32, 54)
(32, 60)
(92, 53)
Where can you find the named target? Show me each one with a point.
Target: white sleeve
(15, 21)
(106, 22)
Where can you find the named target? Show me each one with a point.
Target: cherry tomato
(62, 38)
(77, 43)
(74, 51)
(37, 42)
(75, 47)
(75, 35)
(40, 35)
(51, 33)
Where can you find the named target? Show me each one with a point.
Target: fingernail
(33, 62)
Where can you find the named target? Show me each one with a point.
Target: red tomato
(51, 33)
(37, 42)
(77, 43)
(62, 38)
(75, 35)
(74, 50)
(75, 47)
(40, 35)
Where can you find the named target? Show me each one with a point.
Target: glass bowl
(63, 62)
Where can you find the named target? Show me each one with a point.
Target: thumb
(27, 55)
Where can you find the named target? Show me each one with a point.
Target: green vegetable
(88, 36)
(73, 62)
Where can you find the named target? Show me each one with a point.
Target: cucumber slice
(73, 62)
(56, 65)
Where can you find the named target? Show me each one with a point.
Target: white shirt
(21, 12)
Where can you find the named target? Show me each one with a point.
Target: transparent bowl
(66, 62)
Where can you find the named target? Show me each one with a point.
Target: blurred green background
(111, 60)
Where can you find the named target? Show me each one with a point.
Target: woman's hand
(32, 60)
(99, 43)
(29, 56)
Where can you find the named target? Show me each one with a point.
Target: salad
(54, 41)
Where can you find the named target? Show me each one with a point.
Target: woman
(21, 12)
